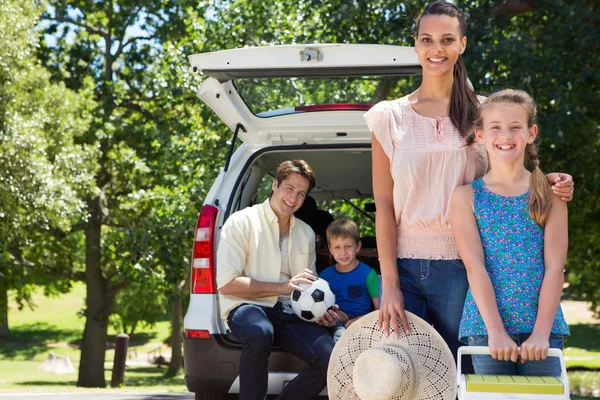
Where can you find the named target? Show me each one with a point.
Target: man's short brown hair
(299, 167)
(342, 228)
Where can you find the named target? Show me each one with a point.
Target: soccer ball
(314, 301)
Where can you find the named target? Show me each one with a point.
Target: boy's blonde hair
(344, 228)
(539, 189)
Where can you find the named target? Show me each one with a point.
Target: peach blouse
(428, 159)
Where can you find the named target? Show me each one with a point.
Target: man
(263, 255)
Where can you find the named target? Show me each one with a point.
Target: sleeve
(373, 283)
(379, 120)
(233, 247)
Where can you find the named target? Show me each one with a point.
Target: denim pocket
(556, 341)
(458, 263)
(478, 340)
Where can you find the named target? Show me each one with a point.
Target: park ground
(55, 326)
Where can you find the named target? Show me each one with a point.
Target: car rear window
(268, 97)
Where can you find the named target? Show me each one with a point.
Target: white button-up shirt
(249, 246)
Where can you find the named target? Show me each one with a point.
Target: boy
(355, 285)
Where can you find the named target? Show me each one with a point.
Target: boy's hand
(535, 348)
(503, 348)
(351, 321)
(333, 315)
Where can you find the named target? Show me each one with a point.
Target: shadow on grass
(584, 336)
(134, 377)
(27, 341)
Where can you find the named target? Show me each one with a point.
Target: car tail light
(203, 262)
(334, 107)
(197, 334)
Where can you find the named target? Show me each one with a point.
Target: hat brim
(435, 368)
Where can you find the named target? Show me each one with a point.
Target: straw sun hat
(365, 364)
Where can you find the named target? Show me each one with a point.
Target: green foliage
(552, 54)
(45, 171)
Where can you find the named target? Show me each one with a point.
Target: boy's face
(344, 250)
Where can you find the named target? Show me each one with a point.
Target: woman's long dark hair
(463, 100)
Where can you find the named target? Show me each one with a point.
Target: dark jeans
(435, 290)
(487, 365)
(258, 328)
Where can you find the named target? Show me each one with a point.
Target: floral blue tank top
(513, 246)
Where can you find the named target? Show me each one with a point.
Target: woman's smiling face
(439, 43)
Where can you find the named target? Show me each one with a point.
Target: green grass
(24, 376)
(56, 325)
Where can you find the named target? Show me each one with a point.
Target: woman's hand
(503, 348)
(535, 347)
(562, 185)
(332, 316)
(391, 309)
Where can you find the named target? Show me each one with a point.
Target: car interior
(343, 189)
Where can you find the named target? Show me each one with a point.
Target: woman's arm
(556, 243)
(502, 347)
(392, 301)
(562, 185)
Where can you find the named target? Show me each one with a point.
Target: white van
(283, 102)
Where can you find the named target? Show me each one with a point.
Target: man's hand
(562, 185)
(305, 276)
(333, 315)
(535, 347)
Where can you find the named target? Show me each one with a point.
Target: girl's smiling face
(439, 43)
(505, 133)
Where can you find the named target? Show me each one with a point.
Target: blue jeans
(338, 330)
(435, 291)
(486, 365)
(258, 328)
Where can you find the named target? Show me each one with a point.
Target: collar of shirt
(272, 217)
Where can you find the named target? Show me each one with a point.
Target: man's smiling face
(289, 195)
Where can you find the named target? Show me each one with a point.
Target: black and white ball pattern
(314, 301)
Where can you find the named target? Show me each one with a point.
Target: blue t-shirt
(353, 290)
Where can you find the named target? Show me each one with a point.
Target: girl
(512, 235)
(419, 157)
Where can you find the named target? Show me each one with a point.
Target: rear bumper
(212, 365)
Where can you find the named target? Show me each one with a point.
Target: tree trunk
(176, 337)
(93, 346)
(4, 331)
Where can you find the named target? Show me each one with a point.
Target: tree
(147, 134)
(551, 52)
(45, 173)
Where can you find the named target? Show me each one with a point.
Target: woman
(419, 157)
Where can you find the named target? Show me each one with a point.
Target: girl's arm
(502, 347)
(556, 242)
(392, 301)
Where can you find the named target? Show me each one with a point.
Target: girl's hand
(535, 348)
(562, 185)
(392, 309)
(503, 348)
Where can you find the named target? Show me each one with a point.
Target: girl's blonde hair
(539, 188)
